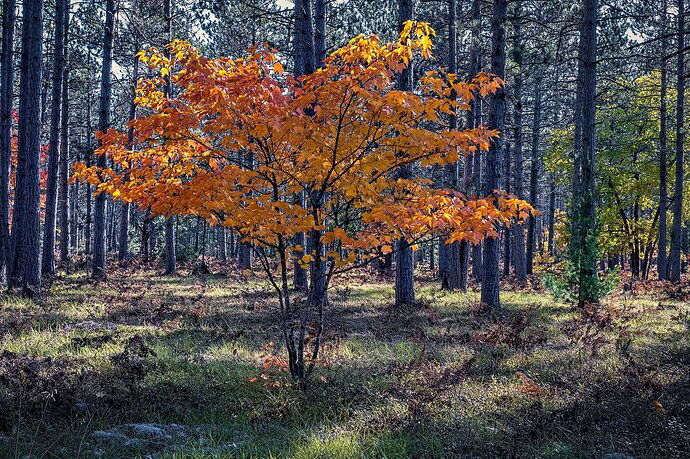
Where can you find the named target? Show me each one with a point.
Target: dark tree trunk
(552, 214)
(588, 244)
(9, 12)
(63, 195)
(473, 169)
(48, 259)
(663, 174)
(99, 247)
(519, 230)
(676, 227)
(25, 268)
(304, 59)
(490, 279)
(123, 250)
(506, 232)
(404, 269)
(534, 176)
(170, 254)
(222, 244)
(575, 216)
(453, 272)
(320, 15)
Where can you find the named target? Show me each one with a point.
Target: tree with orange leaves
(241, 138)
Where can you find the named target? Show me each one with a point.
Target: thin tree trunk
(404, 268)
(9, 14)
(519, 229)
(123, 251)
(506, 232)
(26, 236)
(676, 227)
(63, 195)
(534, 175)
(99, 247)
(662, 257)
(490, 280)
(170, 254)
(49, 228)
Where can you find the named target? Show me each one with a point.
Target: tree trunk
(404, 269)
(48, 259)
(588, 243)
(490, 280)
(26, 237)
(506, 232)
(99, 248)
(552, 214)
(170, 254)
(663, 174)
(304, 60)
(534, 175)
(320, 15)
(63, 195)
(9, 14)
(519, 230)
(676, 228)
(123, 249)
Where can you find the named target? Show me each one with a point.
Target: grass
(436, 380)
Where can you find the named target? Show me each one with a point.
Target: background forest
(344, 228)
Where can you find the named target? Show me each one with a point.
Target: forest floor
(142, 365)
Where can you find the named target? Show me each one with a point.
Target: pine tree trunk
(507, 246)
(490, 279)
(320, 15)
(99, 247)
(519, 229)
(63, 195)
(404, 269)
(9, 12)
(663, 174)
(123, 249)
(676, 227)
(534, 176)
(588, 259)
(25, 265)
(304, 59)
(49, 228)
(473, 169)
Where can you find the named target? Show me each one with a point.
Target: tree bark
(63, 195)
(123, 249)
(320, 15)
(404, 269)
(9, 15)
(48, 259)
(588, 258)
(519, 229)
(534, 175)
(99, 247)
(170, 253)
(490, 298)
(26, 237)
(676, 227)
(663, 174)
(304, 61)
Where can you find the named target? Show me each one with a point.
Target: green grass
(532, 389)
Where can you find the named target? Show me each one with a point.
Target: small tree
(242, 138)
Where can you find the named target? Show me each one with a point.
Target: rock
(152, 440)
(617, 456)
